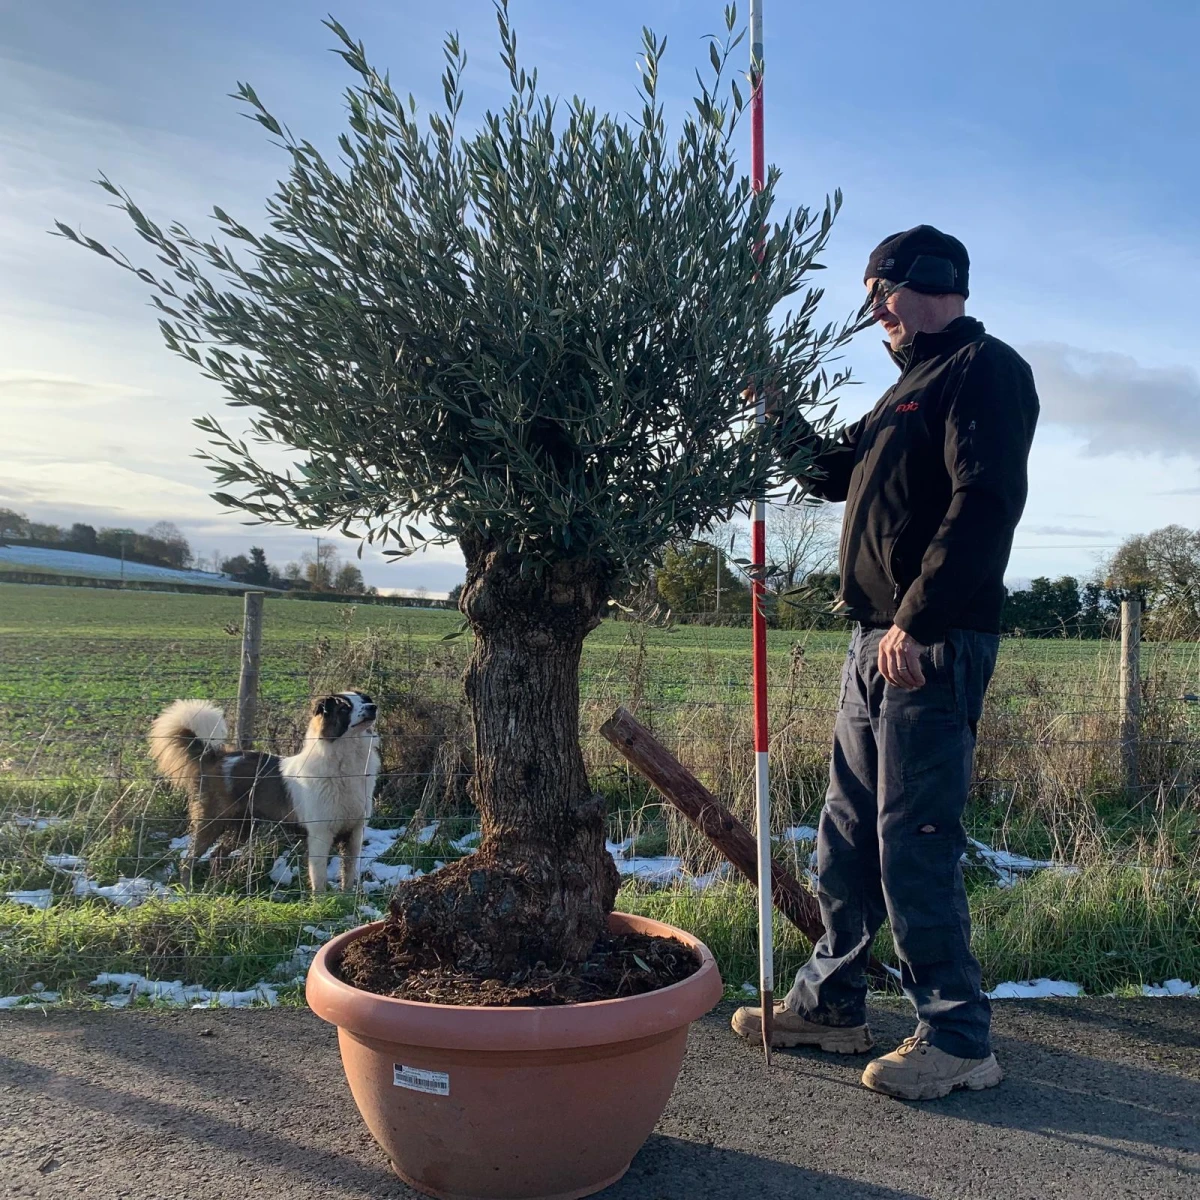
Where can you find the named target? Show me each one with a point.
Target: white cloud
(1065, 531)
(35, 390)
(127, 494)
(1115, 404)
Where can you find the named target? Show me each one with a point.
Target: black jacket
(934, 480)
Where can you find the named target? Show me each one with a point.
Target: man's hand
(900, 659)
(770, 394)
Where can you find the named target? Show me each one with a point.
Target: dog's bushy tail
(182, 735)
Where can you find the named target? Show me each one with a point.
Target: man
(934, 480)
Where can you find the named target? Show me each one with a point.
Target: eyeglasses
(880, 292)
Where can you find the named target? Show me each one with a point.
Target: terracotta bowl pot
(473, 1103)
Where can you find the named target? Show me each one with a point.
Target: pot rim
(478, 1027)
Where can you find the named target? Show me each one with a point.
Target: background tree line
(703, 581)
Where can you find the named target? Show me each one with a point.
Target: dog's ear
(321, 707)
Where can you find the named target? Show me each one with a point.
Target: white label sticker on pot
(437, 1083)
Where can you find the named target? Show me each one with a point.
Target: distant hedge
(358, 598)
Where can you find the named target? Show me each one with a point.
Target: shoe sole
(832, 1043)
(831, 1040)
(987, 1074)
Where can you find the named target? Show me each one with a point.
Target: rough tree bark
(542, 884)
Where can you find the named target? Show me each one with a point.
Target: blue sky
(1056, 140)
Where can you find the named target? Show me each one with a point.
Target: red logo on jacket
(911, 406)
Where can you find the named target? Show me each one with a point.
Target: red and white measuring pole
(758, 553)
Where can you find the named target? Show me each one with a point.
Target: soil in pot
(621, 964)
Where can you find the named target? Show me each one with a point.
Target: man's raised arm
(822, 465)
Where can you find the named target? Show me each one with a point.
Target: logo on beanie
(887, 264)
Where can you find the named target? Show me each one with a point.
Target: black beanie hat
(924, 258)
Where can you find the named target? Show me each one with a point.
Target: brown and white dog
(327, 789)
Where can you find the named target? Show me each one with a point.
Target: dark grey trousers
(891, 839)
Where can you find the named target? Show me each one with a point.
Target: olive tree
(538, 339)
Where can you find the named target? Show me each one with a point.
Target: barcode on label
(436, 1083)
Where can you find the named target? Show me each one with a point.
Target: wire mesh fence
(91, 840)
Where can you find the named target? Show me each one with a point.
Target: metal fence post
(247, 701)
(1131, 688)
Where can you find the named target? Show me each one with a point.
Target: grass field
(82, 672)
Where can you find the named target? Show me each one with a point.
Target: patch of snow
(180, 846)
(281, 873)
(1009, 868)
(34, 998)
(799, 833)
(370, 912)
(895, 974)
(386, 875)
(1034, 989)
(379, 841)
(37, 824)
(1172, 987)
(428, 833)
(750, 989)
(663, 869)
(376, 842)
(716, 875)
(468, 843)
(64, 862)
(260, 993)
(125, 893)
(177, 994)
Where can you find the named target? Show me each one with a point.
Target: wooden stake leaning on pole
(682, 789)
(657, 764)
(758, 553)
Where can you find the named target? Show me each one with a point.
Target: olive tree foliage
(533, 337)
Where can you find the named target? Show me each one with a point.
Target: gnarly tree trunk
(542, 884)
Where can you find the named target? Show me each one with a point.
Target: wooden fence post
(1131, 688)
(247, 701)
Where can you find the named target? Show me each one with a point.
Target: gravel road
(1102, 1099)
